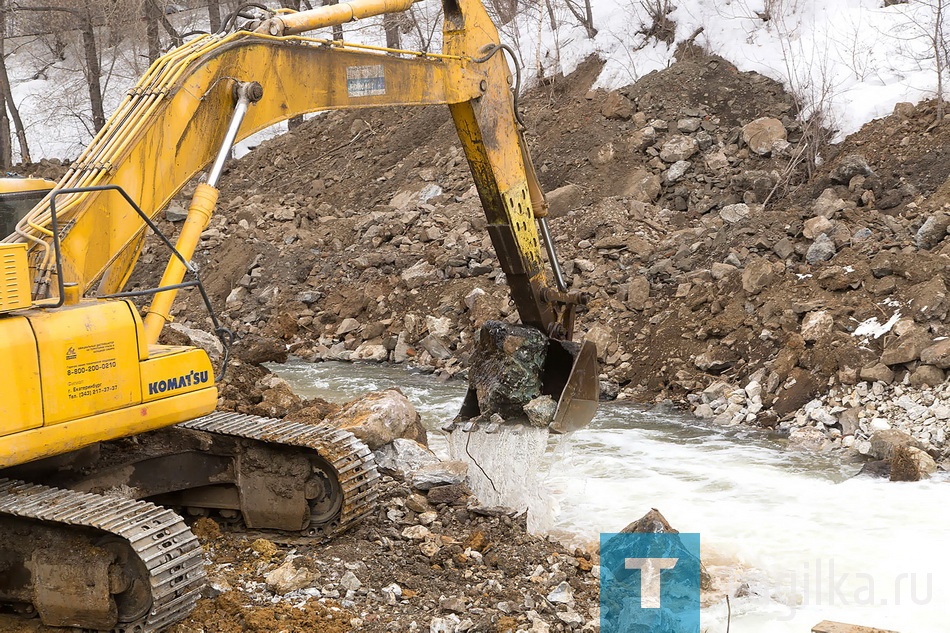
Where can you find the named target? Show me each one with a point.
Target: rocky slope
(726, 270)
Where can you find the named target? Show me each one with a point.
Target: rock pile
(431, 559)
(707, 260)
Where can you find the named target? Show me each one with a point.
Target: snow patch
(873, 328)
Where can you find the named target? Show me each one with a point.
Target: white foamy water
(810, 542)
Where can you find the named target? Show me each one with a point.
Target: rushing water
(807, 541)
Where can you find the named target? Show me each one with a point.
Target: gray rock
(642, 139)
(350, 582)
(716, 360)
(638, 293)
(762, 135)
(689, 125)
(287, 578)
(720, 270)
(199, 338)
(453, 604)
(439, 474)
(677, 148)
(562, 594)
(176, 212)
(878, 372)
(821, 250)
(677, 170)
(850, 166)
(807, 438)
(420, 274)
(402, 457)
(346, 326)
(401, 353)
(827, 204)
(717, 161)
(932, 232)
(540, 411)
(817, 325)
(447, 624)
(849, 420)
(734, 212)
(436, 346)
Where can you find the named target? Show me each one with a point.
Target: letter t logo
(649, 578)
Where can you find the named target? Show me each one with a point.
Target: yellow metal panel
(20, 395)
(169, 374)
(88, 359)
(14, 278)
(19, 185)
(47, 441)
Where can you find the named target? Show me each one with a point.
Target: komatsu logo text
(185, 380)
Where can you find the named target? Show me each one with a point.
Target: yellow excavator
(102, 429)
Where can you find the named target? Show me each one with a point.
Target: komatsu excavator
(102, 429)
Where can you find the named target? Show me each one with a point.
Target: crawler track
(351, 460)
(158, 536)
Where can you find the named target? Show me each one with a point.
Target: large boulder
(257, 350)
(937, 354)
(506, 368)
(379, 418)
(907, 348)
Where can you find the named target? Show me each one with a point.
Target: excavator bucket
(571, 376)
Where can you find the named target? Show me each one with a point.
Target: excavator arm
(171, 124)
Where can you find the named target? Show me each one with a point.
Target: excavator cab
(17, 197)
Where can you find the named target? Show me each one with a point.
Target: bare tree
(7, 98)
(392, 24)
(152, 18)
(337, 28)
(584, 15)
(214, 15)
(82, 17)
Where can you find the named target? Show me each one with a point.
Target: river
(803, 538)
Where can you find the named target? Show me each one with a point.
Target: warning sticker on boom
(365, 81)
